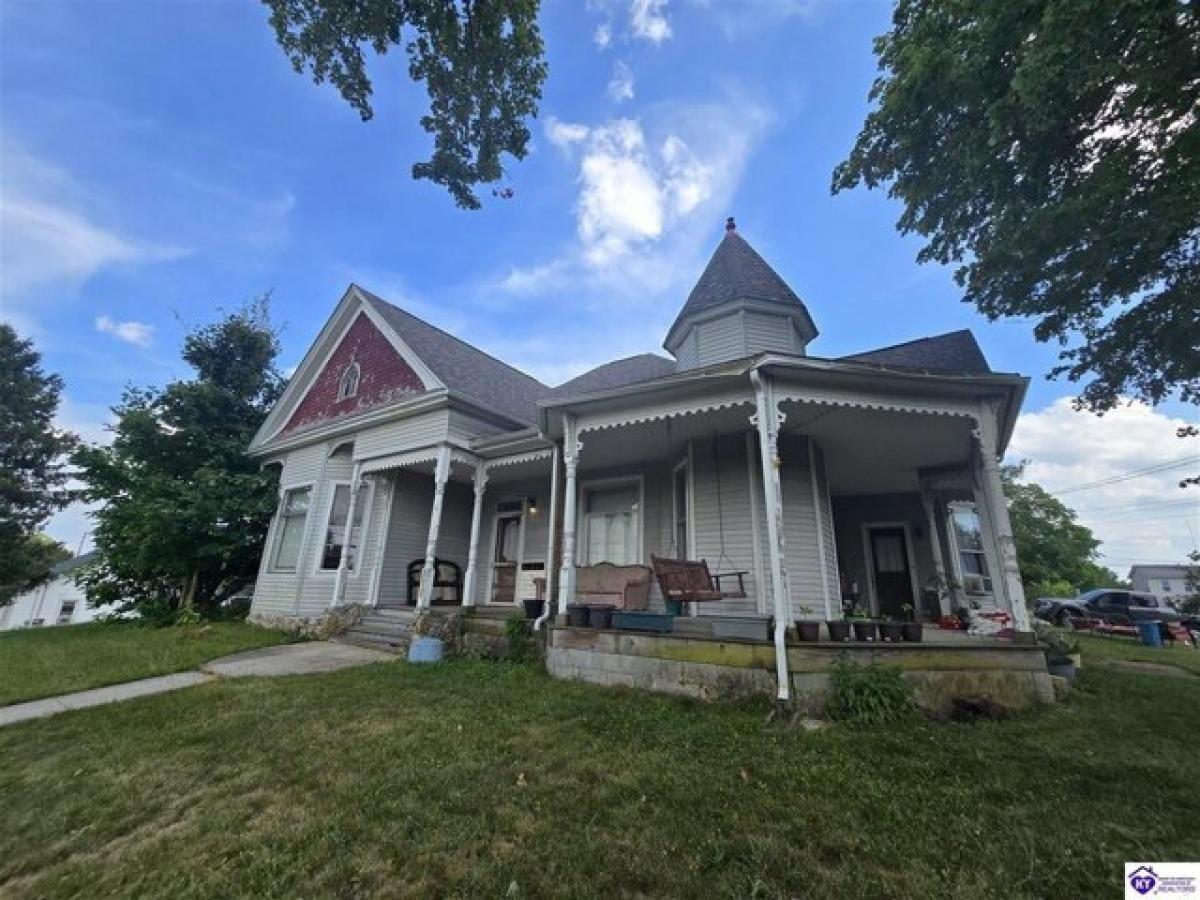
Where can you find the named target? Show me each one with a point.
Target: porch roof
(868, 379)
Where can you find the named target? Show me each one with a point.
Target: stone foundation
(1010, 674)
(335, 621)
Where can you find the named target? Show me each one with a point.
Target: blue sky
(161, 160)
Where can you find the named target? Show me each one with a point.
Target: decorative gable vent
(349, 383)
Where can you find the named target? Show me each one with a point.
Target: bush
(868, 695)
(516, 630)
(1060, 642)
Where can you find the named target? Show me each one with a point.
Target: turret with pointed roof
(739, 307)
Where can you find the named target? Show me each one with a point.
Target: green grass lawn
(1103, 649)
(489, 780)
(42, 662)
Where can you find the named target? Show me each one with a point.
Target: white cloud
(602, 36)
(140, 334)
(564, 134)
(620, 87)
(648, 20)
(653, 196)
(1141, 519)
(49, 236)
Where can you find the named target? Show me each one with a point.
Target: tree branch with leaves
(481, 61)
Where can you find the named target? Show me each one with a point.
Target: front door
(893, 580)
(506, 557)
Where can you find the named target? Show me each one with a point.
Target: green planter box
(643, 621)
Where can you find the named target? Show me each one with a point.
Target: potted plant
(577, 615)
(839, 630)
(808, 629)
(864, 627)
(890, 630)
(911, 628)
(1061, 648)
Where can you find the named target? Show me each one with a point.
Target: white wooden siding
(766, 333)
(800, 527)
(724, 533)
(405, 434)
(687, 355)
(719, 340)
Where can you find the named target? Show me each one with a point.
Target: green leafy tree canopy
(33, 464)
(1056, 554)
(1051, 150)
(481, 61)
(185, 511)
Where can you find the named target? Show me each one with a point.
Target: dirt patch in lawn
(1143, 668)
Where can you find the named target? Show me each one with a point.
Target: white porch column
(339, 580)
(768, 418)
(440, 475)
(472, 577)
(566, 574)
(935, 548)
(822, 561)
(991, 488)
(551, 534)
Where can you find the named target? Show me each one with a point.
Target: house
(1165, 582)
(418, 470)
(58, 601)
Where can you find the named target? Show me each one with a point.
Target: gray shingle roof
(955, 351)
(75, 562)
(1157, 571)
(618, 373)
(737, 273)
(465, 370)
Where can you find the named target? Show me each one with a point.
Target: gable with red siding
(384, 376)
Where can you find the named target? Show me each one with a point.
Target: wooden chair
(688, 581)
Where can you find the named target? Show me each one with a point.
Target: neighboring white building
(1165, 582)
(59, 601)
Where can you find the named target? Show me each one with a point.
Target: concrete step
(404, 613)
(373, 641)
(381, 626)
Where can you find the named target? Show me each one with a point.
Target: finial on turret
(730, 225)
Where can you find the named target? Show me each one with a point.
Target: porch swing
(690, 581)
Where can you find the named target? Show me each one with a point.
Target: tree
(1191, 603)
(33, 457)
(1056, 554)
(185, 509)
(481, 61)
(1051, 149)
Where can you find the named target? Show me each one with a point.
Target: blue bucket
(1151, 633)
(425, 650)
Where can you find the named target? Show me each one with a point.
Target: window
(65, 613)
(292, 516)
(968, 541)
(681, 511)
(1166, 587)
(335, 529)
(612, 523)
(349, 383)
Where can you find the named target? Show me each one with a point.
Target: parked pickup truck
(1116, 607)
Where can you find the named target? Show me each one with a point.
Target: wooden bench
(688, 581)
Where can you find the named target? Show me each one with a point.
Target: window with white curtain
(335, 530)
(292, 516)
(612, 524)
(967, 535)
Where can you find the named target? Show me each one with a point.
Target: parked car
(1117, 607)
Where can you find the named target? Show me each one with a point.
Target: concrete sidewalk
(270, 662)
(114, 693)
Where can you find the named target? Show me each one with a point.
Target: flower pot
(913, 632)
(673, 607)
(425, 650)
(838, 631)
(533, 608)
(600, 615)
(864, 631)
(892, 632)
(809, 631)
(1062, 667)
(577, 615)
